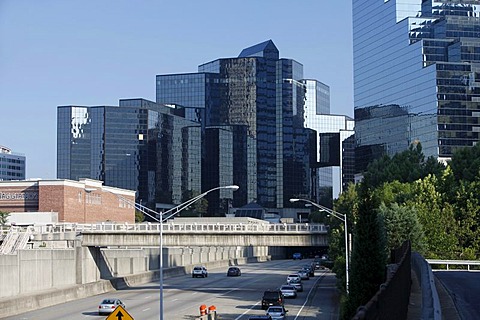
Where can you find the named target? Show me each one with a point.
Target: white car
(277, 312)
(304, 274)
(199, 271)
(292, 276)
(288, 291)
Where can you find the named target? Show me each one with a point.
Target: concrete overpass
(189, 233)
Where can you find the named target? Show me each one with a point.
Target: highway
(235, 298)
(463, 287)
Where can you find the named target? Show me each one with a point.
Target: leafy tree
(401, 223)
(467, 216)
(197, 209)
(465, 163)
(406, 166)
(3, 217)
(139, 216)
(368, 259)
(437, 219)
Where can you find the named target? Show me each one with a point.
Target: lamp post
(172, 212)
(340, 216)
(169, 214)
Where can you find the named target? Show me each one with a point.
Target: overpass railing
(449, 263)
(170, 227)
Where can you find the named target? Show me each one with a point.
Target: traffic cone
(203, 309)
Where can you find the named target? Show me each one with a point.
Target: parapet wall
(44, 277)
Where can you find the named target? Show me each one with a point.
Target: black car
(234, 272)
(272, 298)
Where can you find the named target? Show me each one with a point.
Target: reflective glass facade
(12, 165)
(258, 98)
(335, 157)
(139, 145)
(416, 76)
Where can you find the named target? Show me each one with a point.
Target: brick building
(84, 201)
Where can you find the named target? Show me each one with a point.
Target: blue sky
(95, 52)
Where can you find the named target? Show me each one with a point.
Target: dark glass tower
(262, 94)
(139, 145)
(416, 76)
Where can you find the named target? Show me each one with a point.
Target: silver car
(297, 284)
(303, 274)
(108, 305)
(292, 276)
(288, 291)
(277, 312)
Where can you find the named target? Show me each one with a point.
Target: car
(304, 274)
(199, 271)
(277, 312)
(297, 284)
(292, 276)
(297, 256)
(310, 269)
(318, 263)
(108, 305)
(288, 291)
(265, 317)
(234, 272)
(272, 298)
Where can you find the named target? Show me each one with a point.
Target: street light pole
(340, 216)
(169, 214)
(172, 212)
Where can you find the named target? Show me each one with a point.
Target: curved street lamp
(340, 216)
(172, 212)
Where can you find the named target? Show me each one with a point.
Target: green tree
(407, 166)
(437, 219)
(401, 223)
(139, 216)
(368, 259)
(465, 163)
(3, 217)
(197, 209)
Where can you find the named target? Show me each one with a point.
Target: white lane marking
(309, 292)
(146, 309)
(247, 311)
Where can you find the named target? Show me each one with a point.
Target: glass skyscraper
(416, 76)
(138, 145)
(335, 156)
(263, 94)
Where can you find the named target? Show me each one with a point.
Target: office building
(416, 76)
(12, 165)
(138, 145)
(262, 93)
(335, 152)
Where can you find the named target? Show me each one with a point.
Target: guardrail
(448, 263)
(169, 227)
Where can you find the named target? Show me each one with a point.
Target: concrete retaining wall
(28, 302)
(66, 274)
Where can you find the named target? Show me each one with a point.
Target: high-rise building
(416, 76)
(12, 165)
(263, 94)
(138, 145)
(335, 156)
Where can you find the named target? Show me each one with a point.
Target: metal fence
(184, 227)
(391, 300)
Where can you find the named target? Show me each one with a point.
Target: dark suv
(272, 298)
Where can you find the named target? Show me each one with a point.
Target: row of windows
(10, 160)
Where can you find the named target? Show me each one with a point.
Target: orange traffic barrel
(203, 309)
(211, 309)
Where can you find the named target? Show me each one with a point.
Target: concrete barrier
(29, 302)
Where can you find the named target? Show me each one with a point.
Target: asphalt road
(235, 298)
(464, 288)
